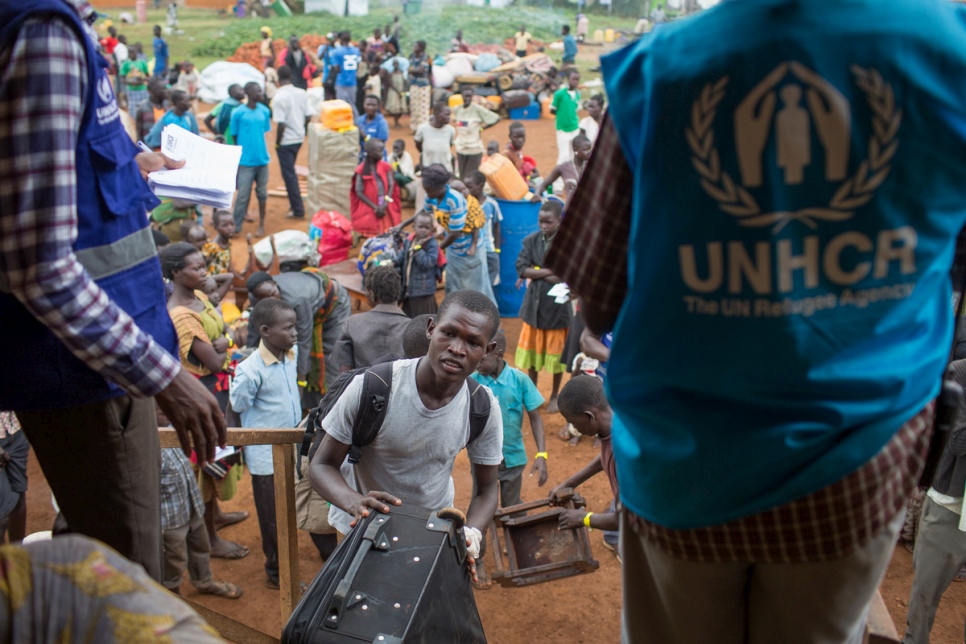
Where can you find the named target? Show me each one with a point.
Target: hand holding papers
(208, 176)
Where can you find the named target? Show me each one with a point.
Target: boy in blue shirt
(179, 114)
(516, 393)
(160, 53)
(265, 392)
(249, 124)
(570, 46)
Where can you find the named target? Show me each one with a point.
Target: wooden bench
(347, 273)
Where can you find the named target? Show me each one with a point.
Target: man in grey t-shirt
(426, 426)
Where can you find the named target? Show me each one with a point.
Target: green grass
(209, 37)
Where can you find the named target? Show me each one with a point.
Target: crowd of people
(112, 342)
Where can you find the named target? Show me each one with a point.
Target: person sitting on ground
(369, 336)
(569, 171)
(517, 394)
(419, 266)
(321, 305)
(403, 169)
(584, 405)
(179, 114)
(219, 119)
(416, 338)
(186, 543)
(218, 251)
(426, 426)
(525, 165)
(545, 322)
(374, 201)
(265, 393)
(14, 450)
(475, 183)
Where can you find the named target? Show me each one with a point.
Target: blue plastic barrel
(519, 220)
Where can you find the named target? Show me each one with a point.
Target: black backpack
(376, 386)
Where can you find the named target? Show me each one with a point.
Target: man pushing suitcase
(427, 423)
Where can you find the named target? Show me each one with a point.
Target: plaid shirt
(589, 253)
(180, 494)
(43, 81)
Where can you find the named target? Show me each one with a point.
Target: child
(584, 405)
(516, 394)
(404, 171)
(373, 86)
(374, 201)
(218, 252)
(493, 147)
(569, 171)
(197, 237)
(395, 85)
(186, 543)
(416, 336)
(475, 219)
(526, 166)
(419, 266)
(475, 183)
(369, 336)
(265, 392)
(544, 330)
(566, 102)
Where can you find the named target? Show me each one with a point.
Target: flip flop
(220, 589)
(231, 518)
(238, 552)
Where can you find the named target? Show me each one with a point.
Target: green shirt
(566, 106)
(139, 65)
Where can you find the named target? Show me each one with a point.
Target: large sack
(292, 246)
(333, 232)
(216, 77)
(459, 64)
(487, 62)
(333, 158)
(442, 77)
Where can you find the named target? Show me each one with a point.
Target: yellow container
(504, 178)
(545, 108)
(599, 35)
(496, 100)
(455, 100)
(609, 35)
(336, 115)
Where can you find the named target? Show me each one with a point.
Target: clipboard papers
(208, 176)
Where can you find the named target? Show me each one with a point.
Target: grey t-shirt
(413, 455)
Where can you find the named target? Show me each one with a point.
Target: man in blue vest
(769, 233)
(88, 340)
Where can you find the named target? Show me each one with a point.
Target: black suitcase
(515, 98)
(396, 578)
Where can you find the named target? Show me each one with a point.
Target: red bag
(334, 232)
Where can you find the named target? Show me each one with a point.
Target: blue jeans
(247, 174)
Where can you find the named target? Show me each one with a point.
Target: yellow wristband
(231, 343)
(536, 268)
(301, 383)
(496, 250)
(542, 455)
(587, 519)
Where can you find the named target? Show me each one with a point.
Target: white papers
(222, 452)
(208, 176)
(560, 292)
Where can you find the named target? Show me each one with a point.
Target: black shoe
(291, 215)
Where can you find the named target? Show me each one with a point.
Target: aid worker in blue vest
(87, 338)
(769, 232)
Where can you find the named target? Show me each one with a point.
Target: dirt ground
(579, 609)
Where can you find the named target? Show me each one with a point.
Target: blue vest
(114, 244)
(798, 191)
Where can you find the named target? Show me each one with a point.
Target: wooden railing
(283, 443)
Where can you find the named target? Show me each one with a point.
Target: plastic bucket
(519, 220)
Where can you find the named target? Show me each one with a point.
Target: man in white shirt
(291, 113)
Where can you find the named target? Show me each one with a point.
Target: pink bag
(334, 234)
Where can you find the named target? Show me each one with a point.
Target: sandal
(237, 552)
(220, 589)
(230, 518)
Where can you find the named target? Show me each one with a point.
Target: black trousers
(286, 161)
(103, 464)
(263, 490)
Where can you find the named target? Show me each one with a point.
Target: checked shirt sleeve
(42, 85)
(589, 252)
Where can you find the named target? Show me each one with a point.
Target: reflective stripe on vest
(126, 252)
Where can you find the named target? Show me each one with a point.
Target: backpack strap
(479, 408)
(373, 404)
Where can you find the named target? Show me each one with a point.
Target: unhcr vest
(114, 244)
(800, 178)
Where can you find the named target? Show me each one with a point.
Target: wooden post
(283, 457)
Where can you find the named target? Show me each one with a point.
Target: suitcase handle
(342, 598)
